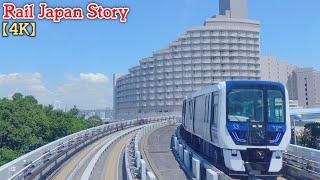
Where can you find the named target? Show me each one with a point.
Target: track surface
(106, 168)
(159, 157)
(80, 158)
(110, 167)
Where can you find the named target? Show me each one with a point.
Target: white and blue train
(244, 125)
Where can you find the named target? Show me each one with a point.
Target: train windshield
(245, 105)
(276, 107)
(256, 113)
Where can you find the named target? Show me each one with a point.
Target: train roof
(217, 86)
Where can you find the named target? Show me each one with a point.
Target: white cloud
(27, 83)
(94, 78)
(86, 90)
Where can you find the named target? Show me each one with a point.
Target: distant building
(273, 69)
(226, 47)
(304, 86)
(103, 114)
(61, 106)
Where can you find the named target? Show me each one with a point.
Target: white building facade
(226, 47)
(304, 86)
(276, 70)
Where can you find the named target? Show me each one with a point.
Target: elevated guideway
(138, 149)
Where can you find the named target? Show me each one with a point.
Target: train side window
(184, 113)
(208, 108)
(214, 110)
(200, 111)
(205, 109)
(190, 110)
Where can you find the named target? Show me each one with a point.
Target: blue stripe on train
(276, 128)
(237, 126)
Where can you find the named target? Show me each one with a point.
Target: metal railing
(44, 160)
(302, 162)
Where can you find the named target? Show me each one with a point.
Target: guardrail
(41, 162)
(135, 164)
(302, 162)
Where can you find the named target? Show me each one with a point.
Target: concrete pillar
(181, 151)
(176, 144)
(196, 168)
(143, 171)
(150, 176)
(211, 175)
(186, 159)
(136, 147)
(138, 158)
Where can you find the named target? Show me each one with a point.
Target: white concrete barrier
(138, 158)
(186, 159)
(150, 176)
(176, 143)
(196, 168)
(181, 151)
(211, 175)
(143, 171)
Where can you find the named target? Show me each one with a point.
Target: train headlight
(234, 153)
(278, 154)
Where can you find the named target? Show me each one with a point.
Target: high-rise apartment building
(304, 85)
(273, 69)
(226, 47)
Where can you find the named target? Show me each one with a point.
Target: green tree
(311, 135)
(26, 125)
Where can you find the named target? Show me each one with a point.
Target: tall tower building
(226, 47)
(233, 8)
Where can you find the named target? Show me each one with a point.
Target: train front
(257, 129)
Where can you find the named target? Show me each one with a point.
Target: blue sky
(61, 52)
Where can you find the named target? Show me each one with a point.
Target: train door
(207, 115)
(214, 118)
(184, 113)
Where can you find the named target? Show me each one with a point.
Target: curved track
(107, 167)
(156, 149)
